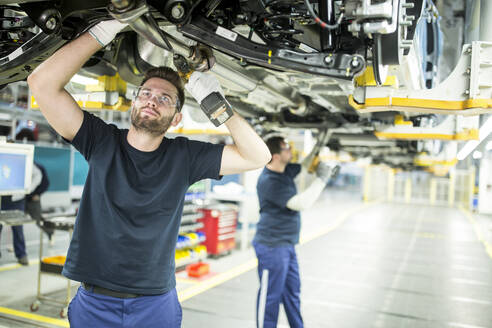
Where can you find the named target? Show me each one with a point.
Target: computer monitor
(15, 168)
(57, 163)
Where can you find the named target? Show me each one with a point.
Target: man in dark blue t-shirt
(127, 225)
(278, 231)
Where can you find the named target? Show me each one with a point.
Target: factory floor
(361, 265)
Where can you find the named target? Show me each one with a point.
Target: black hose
(188, 15)
(154, 25)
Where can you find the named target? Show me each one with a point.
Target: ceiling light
(484, 132)
(477, 154)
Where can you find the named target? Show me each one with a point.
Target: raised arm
(306, 198)
(48, 80)
(248, 151)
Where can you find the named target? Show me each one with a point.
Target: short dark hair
(274, 144)
(170, 75)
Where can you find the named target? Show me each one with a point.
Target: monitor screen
(13, 171)
(57, 163)
(80, 169)
(79, 174)
(15, 168)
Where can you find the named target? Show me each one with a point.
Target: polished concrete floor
(362, 265)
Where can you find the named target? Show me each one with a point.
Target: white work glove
(326, 172)
(200, 85)
(104, 32)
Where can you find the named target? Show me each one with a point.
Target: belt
(108, 292)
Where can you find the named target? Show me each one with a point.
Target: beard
(153, 126)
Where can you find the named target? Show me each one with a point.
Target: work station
(264, 163)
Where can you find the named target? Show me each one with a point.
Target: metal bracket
(336, 65)
(22, 61)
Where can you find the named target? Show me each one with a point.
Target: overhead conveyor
(467, 90)
(453, 127)
(439, 163)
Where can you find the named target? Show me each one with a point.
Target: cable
(188, 15)
(319, 21)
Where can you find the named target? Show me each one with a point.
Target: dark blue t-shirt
(130, 211)
(278, 224)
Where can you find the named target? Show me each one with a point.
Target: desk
(15, 218)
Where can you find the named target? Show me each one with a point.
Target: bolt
(242, 62)
(469, 50)
(51, 23)
(408, 5)
(468, 71)
(328, 60)
(122, 4)
(178, 11)
(355, 62)
(467, 92)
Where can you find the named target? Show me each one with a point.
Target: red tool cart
(219, 226)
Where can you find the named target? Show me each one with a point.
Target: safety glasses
(163, 100)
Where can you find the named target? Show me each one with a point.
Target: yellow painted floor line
(186, 281)
(8, 267)
(34, 317)
(223, 277)
(478, 231)
(216, 280)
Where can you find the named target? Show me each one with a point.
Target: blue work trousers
(89, 309)
(279, 283)
(19, 242)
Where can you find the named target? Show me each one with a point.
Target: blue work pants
(279, 283)
(89, 309)
(19, 242)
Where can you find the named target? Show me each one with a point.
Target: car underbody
(282, 64)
